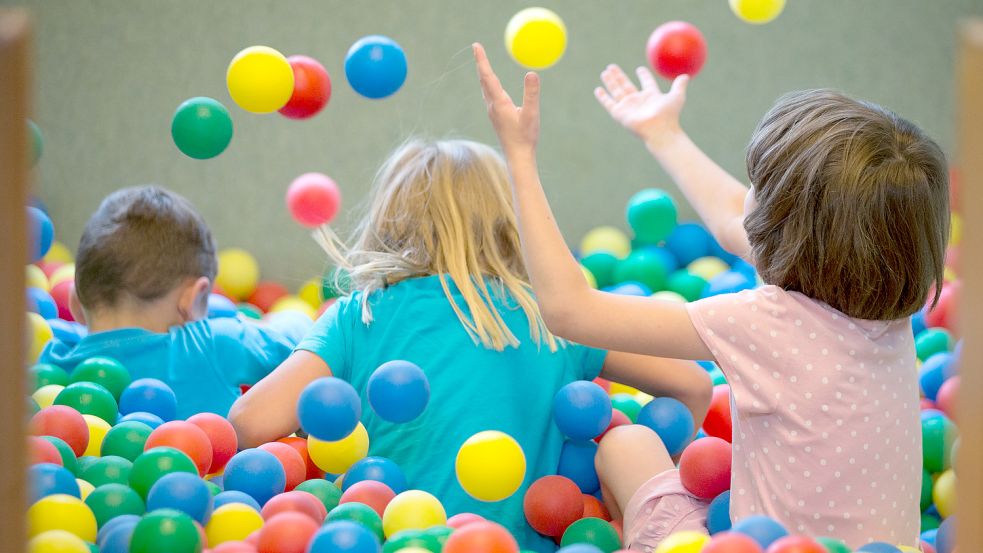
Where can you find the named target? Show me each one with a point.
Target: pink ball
(462, 519)
(704, 467)
(370, 492)
(948, 396)
(676, 48)
(313, 199)
(62, 293)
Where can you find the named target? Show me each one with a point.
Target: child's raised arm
(654, 117)
(570, 307)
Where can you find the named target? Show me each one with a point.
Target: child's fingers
(530, 95)
(491, 88)
(647, 80)
(679, 85)
(617, 82)
(604, 98)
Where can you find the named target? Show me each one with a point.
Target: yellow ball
(412, 510)
(85, 488)
(232, 522)
(606, 239)
(37, 279)
(337, 457)
(536, 38)
(642, 398)
(40, 335)
(97, 432)
(310, 292)
(955, 229)
(683, 542)
(591, 281)
(908, 549)
(58, 253)
(619, 388)
(668, 295)
(260, 79)
(61, 512)
(63, 273)
(490, 466)
(45, 395)
(238, 273)
(57, 541)
(293, 303)
(944, 493)
(707, 267)
(757, 11)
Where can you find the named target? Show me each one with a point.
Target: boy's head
(852, 205)
(142, 245)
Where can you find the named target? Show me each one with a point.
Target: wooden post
(970, 163)
(15, 79)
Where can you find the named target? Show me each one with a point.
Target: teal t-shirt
(204, 362)
(471, 389)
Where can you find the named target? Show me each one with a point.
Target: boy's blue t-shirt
(471, 389)
(204, 362)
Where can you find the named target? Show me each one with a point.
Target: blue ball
(329, 409)
(379, 469)
(688, 242)
(117, 539)
(878, 547)
(667, 258)
(184, 492)
(716, 250)
(918, 322)
(398, 391)
(945, 538)
(221, 307)
(344, 536)
(671, 420)
(718, 515)
(761, 529)
(234, 496)
(582, 410)
(113, 523)
(48, 479)
(727, 282)
(375, 66)
(42, 233)
(708, 366)
(41, 302)
(933, 373)
(579, 548)
(577, 464)
(745, 268)
(151, 396)
(257, 473)
(928, 536)
(150, 419)
(630, 288)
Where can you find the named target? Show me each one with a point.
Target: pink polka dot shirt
(827, 434)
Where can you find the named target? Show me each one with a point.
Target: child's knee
(618, 442)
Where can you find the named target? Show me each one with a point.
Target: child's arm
(570, 307)
(683, 380)
(654, 117)
(268, 411)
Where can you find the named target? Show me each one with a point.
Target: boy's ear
(75, 306)
(193, 301)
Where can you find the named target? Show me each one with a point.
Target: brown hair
(853, 205)
(142, 242)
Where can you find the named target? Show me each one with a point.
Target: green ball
(931, 341)
(105, 371)
(201, 128)
(441, 533)
(938, 434)
(359, 513)
(68, 459)
(833, 545)
(686, 284)
(594, 531)
(250, 311)
(109, 501)
(717, 376)
(926, 498)
(627, 405)
(165, 531)
(602, 266)
(412, 538)
(213, 488)
(93, 548)
(335, 283)
(107, 470)
(126, 440)
(37, 142)
(645, 267)
(44, 374)
(929, 522)
(89, 399)
(327, 492)
(85, 461)
(651, 213)
(152, 465)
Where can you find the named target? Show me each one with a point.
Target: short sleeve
(249, 351)
(331, 336)
(587, 361)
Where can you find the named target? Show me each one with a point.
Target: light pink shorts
(660, 507)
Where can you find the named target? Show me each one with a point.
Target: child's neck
(155, 317)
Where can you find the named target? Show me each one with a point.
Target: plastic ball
(61, 512)
(201, 127)
(293, 464)
(651, 214)
(398, 391)
(310, 292)
(704, 467)
(708, 267)
(627, 405)
(98, 428)
(796, 544)
(62, 422)
(36, 278)
(481, 537)
(220, 307)
(257, 473)
(938, 434)
(343, 537)
(364, 515)
(165, 531)
(689, 242)
(105, 539)
(221, 436)
(45, 395)
(671, 420)
(61, 293)
(39, 301)
(149, 395)
(59, 252)
(761, 529)
(286, 533)
(491, 465)
(42, 233)
(300, 446)
(105, 371)
(59, 273)
(932, 341)
(676, 48)
(312, 88)
(57, 541)
(536, 38)
(233, 496)
(108, 469)
(260, 79)
(294, 303)
(238, 273)
(371, 493)
(185, 437)
(593, 508)
(728, 282)
(945, 538)
(834, 545)
(593, 531)
(617, 419)
(266, 294)
(109, 501)
(313, 199)
(413, 509)
(582, 410)
(552, 504)
(686, 284)
(295, 501)
(605, 239)
(944, 493)
(49, 479)
(577, 464)
(329, 409)
(183, 492)
(947, 397)
(757, 11)
(645, 266)
(338, 456)
(89, 399)
(718, 514)
(40, 333)
(149, 467)
(601, 266)
(731, 542)
(687, 541)
(878, 547)
(718, 422)
(43, 451)
(933, 373)
(375, 66)
(379, 469)
(149, 419)
(232, 522)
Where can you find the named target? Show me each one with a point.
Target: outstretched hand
(517, 126)
(648, 112)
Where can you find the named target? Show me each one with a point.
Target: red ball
(943, 315)
(603, 383)
(617, 419)
(49, 267)
(300, 446)
(618, 526)
(62, 422)
(795, 544)
(925, 403)
(927, 547)
(553, 503)
(312, 88)
(481, 537)
(676, 48)
(461, 519)
(704, 467)
(313, 199)
(295, 501)
(718, 422)
(62, 293)
(593, 508)
(293, 463)
(220, 434)
(948, 397)
(234, 547)
(266, 294)
(287, 533)
(732, 542)
(186, 437)
(43, 451)
(370, 492)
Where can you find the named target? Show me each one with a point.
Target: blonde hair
(443, 208)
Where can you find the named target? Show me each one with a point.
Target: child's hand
(649, 113)
(517, 127)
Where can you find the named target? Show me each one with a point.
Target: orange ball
(593, 508)
(266, 294)
(43, 451)
(62, 422)
(220, 434)
(185, 437)
(300, 445)
(369, 492)
(553, 503)
(481, 537)
(295, 501)
(293, 463)
(286, 533)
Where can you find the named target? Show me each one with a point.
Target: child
(145, 266)
(438, 281)
(846, 223)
